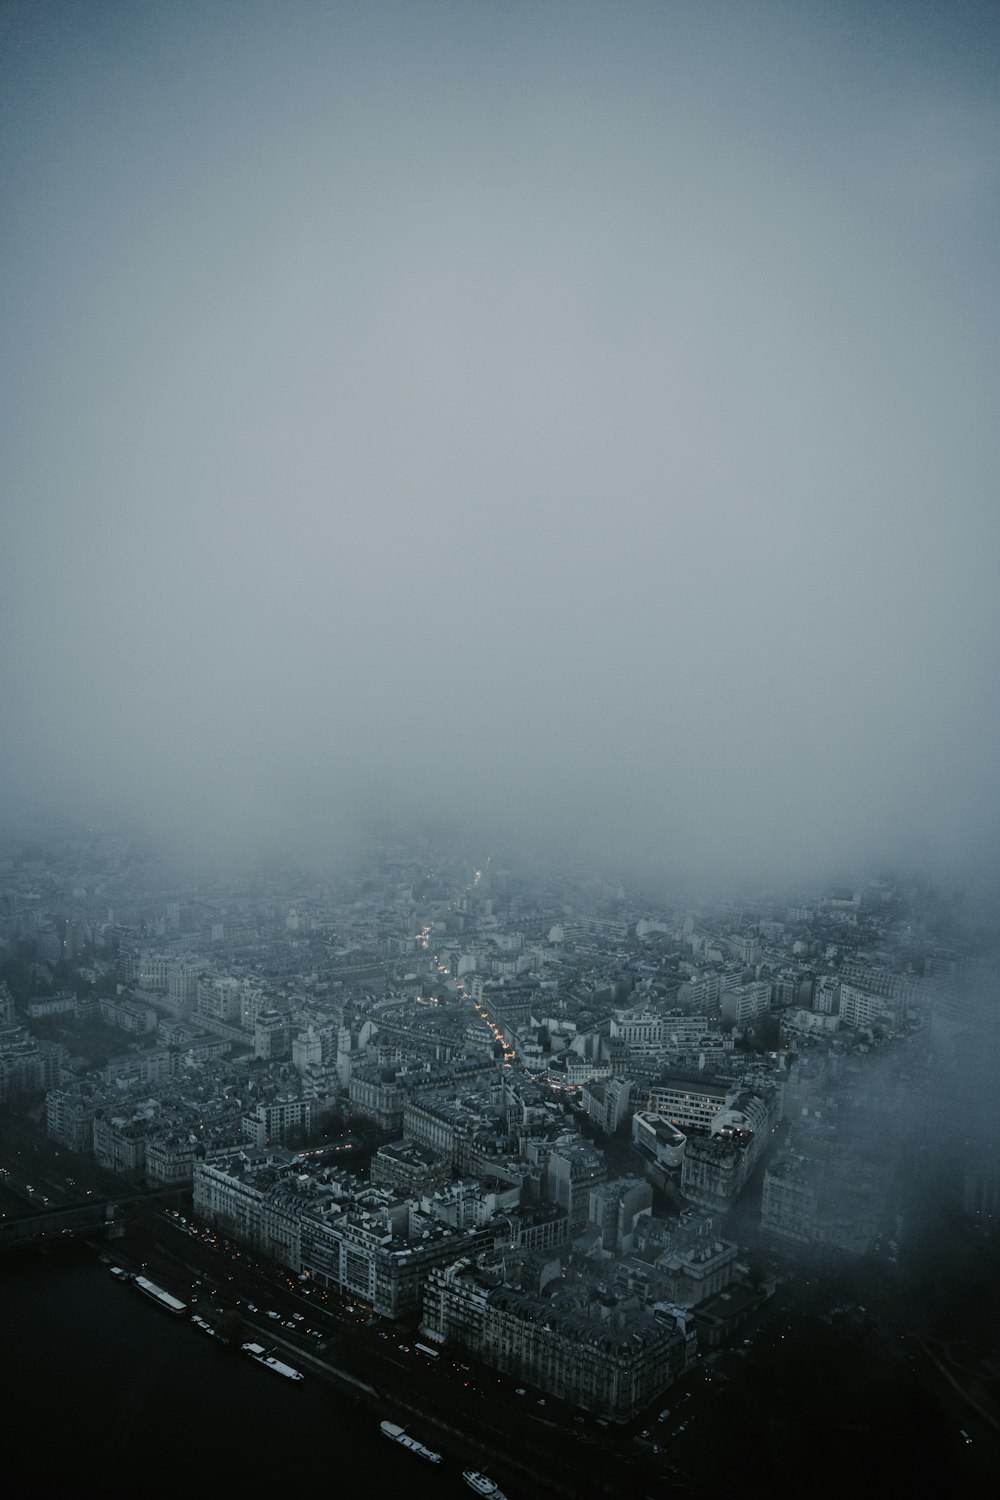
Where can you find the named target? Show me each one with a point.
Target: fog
(574, 418)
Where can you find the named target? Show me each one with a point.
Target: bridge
(102, 1215)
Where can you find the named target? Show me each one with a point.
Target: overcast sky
(583, 416)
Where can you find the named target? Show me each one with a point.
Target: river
(106, 1394)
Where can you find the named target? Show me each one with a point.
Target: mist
(570, 418)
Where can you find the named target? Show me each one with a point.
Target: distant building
(120, 1144)
(572, 1169)
(128, 1014)
(745, 1004)
(689, 1261)
(657, 1140)
(70, 1116)
(614, 1208)
(270, 1123)
(606, 1102)
(716, 1170)
(270, 1035)
(64, 1004)
(408, 1168)
(830, 1198)
(688, 1100)
(27, 1066)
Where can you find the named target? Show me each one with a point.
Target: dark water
(105, 1394)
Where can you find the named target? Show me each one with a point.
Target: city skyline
(578, 1180)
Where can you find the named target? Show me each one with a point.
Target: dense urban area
(690, 1187)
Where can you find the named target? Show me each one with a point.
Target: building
(606, 1102)
(120, 1144)
(270, 1035)
(26, 1065)
(128, 1014)
(745, 1004)
(657, 1141)
(329, 1228)
(587, 1349)
(614, 1208)
(408, 1168)
(826, 1196)
(70, 1115)
(716, 1169)
(270, 1122)
(572, 1169)
(170, 1160)
(690, 1263)
(688, 1100)
(54, 1005)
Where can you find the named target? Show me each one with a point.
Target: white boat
(399, 1435)
(119, 1273)
(483, 1485)
(159, 1296)
(280, 1368)
(262, 1356)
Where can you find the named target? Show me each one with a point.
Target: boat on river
(159, 1296)
(269, 1360)
(483, 1485)
(399, 1435)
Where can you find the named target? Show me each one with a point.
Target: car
(404, 1347)
(964, 1435)
(273, 1315)
(541, 1400)
(298, 1317)
(252, 1307)
(520, 1391)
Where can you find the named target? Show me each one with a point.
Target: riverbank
(475, 1426)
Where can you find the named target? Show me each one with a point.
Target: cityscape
(430, 1128)
(499, 749)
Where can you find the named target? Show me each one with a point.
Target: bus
(423, 1349)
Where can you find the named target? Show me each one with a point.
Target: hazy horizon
(574, 418)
